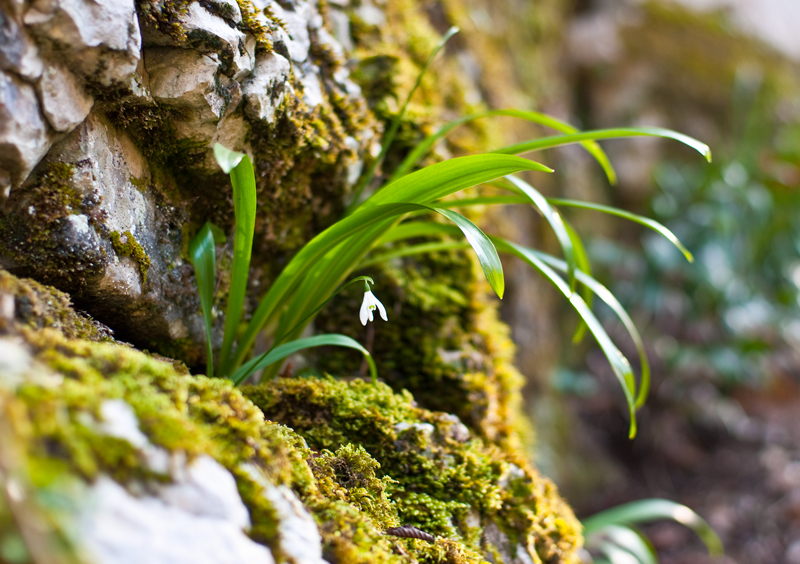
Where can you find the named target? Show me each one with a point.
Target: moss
(37, 221)
(36, 306)
(126, 245)
(439, 482)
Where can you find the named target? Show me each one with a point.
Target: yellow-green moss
(438, 481)
(126, 245)
(37, 306)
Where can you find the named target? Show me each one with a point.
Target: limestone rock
(65, 102)
(123, 529)
(24, 138)
(198, 517)
(185, 80)
(266, 89)
(18, 52)
(110, 244)
(101, 37)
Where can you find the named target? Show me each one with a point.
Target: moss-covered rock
(359, 456)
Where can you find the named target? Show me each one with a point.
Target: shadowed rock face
(108, 113)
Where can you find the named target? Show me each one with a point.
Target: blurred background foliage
(721, 431)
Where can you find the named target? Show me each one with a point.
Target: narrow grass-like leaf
(422, 148)
(282, 351)
(375, 217)
(483, 247)
(555, 221)
(483, 201)
(618, 362)
(244, 207)
(605, 294)
(624, 538)
(391, 133)
(617, 554)
(646, 221)
(203, 255)
(583, 264)
(617, 133)
(653, 509)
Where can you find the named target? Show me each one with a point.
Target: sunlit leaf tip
(227, 159)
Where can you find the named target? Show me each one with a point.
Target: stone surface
(18, 52)
(198, 517)
(299, 536)
(24, 137)
(101, 37)
(122, 529)
(266, 89)
(65, 102)
(75, 249)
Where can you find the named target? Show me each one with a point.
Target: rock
(208, 33)
(185, 80)
(299, 536)
(202, 501)
(118, 528)
(100, 37)
(108, 241)
(297, 22)
(24, 138)
(18, 52)
(265, 91)
(228, 9)
(65, 103)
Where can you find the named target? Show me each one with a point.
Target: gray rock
(18, 52)
(24, 138)
(65, 102)
(265, 91)
(185, 80)
(146, 303)
(297, 20)
(100, 37)
(198, 517)
(210, 34)
(299, 536)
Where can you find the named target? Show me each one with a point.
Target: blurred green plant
(306, 283)
(741, 216)
(611, 536)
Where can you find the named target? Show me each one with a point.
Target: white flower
(368, 306)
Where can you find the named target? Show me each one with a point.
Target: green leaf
(313, 270)
(227, 159)
(483, 201)
(282, 351)
(618, 362)
(244, 208)
(612, 538)
(617, 133)
(391, 133)
(583, 264)
(203, 256)
(555, 221)
(647, 510)
(605, 294)
(617, 554)
(423, 228)
(647, 222)
(483, 247)
(422, 149)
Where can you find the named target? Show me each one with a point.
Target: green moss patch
(126, 245)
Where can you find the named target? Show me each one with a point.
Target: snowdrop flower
(368, 306)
